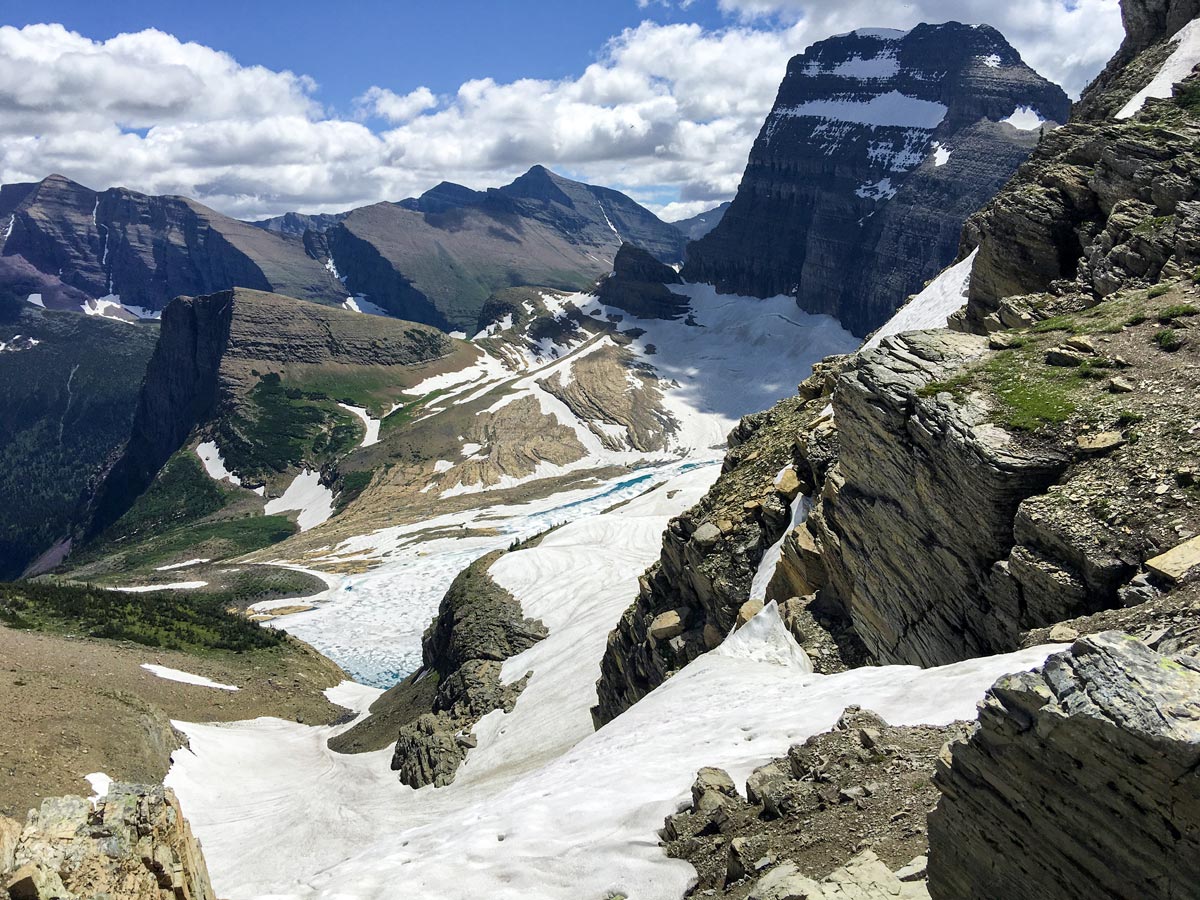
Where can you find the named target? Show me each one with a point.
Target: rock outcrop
(879, 146)
(133, 844)
(863, 783)
(694, 595)
(638, 285)
(1079, 782)
(478, 626)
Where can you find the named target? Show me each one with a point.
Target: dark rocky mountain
(68, 389)
(696, 227)
(639, 285)
(879, 146)
(437, 258)
(148, 250)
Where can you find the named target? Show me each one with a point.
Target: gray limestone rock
(1079, 782)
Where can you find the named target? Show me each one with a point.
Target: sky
(258, 107)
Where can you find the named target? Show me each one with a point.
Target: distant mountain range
(434, 259)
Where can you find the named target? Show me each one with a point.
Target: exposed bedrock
(700, 589)
(920, 505)
(133, 843)
(1079, 782)
(478, 626)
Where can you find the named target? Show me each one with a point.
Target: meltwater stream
(371, 624)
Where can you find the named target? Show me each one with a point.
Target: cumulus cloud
(667, 112)
(1068, 41)
(395, 107)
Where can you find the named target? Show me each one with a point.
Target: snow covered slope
(544, 806)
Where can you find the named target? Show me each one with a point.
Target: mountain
(68, 389)
(699, 225)
(879, 146)
(433, 259)
(146, 250)
(273, 382)
(437, 258)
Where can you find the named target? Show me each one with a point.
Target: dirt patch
(863, 785)
(73, 706)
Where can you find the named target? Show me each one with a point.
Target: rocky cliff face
(210, 357)
(148, 250)
(1078, 782)
(639, 286)
(968, 489)
(133, 843)
(437, 259)
(879, 146)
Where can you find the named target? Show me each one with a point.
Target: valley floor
(544, 806)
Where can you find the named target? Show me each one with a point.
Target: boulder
(1175, 565)
(1079, 782)
(748, 611)
(666, 625)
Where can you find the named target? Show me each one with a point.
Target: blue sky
(256, 107)
(400, 45)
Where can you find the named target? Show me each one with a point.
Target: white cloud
(1068, 41)
(667, 112)
(395, 107)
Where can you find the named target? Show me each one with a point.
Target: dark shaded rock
(845, 207)
(478, 626)
(638, 285)
(1079, 782)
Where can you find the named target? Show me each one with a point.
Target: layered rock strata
(478, 626)
(1079, 782)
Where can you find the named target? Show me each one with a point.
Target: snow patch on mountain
(892, 109)
(944, 295)
(1025, 118)
(305, 495)
(1178, 66)
(214, 463)
(371, 425)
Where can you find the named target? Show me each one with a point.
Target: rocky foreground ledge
(133, 844)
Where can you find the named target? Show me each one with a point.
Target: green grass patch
(283, 427)
(1136, 319)
(181, 492)
(1168, 339)
(174, 620)
(1158, 290)
(1128, 417)
(352, 484)
(219, 539)
(1178, 311)
(1028, 398)
(1151, 225)
(1056, 323)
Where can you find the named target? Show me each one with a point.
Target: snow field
(1177, 67)
(185, 677)
(307, 495)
